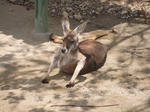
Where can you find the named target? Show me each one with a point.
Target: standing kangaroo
(76, 57)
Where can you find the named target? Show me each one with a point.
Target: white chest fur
(67, 59)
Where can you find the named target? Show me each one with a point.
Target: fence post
(41, 16)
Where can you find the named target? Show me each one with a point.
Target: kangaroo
(76, 57)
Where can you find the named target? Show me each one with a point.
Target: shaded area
(117, 40)
(141, 108)
(12, 98)
(40, 110)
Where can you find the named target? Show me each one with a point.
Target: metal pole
(41, 16)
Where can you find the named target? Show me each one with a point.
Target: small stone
(93, 16)
(12, 0)
(141, 15)
(71, 17)
(99, 9)
(123, 12)
(135, 13)
(53, 11)
(110, 11)
(97, 13)
(78, 17)
(147, 21)
(69, 9)
(82, 21)
(32, 1)
(26, 3)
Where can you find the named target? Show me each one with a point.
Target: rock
(69, 9)
(135, 13)
(82, 21)
(93, 16)
(26, 3)
(141, 15)
(78, 17)
(110, 10)
(53, 10)
(99, 9)
(12, 0)
(147, 21)
(141, 20)
(32, 0)
(70, 16)
(124, 12)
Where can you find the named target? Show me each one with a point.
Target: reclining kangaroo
(76, 57)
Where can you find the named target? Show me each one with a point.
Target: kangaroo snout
(63, 50)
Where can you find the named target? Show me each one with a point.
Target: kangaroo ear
(65, 23)
(78, 30)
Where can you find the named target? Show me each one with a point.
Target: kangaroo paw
(70, 84)
(45, 80)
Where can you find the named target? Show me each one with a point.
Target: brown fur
(95, 53)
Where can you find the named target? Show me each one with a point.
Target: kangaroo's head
(70, 39)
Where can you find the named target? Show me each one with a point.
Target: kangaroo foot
(45, 80)
(70, 84)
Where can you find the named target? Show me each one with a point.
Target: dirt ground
(124, 81)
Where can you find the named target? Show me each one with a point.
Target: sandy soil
(25, 56)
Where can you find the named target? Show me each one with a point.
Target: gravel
(83, 9)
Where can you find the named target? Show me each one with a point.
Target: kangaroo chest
(68, 61)
(94, 52)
